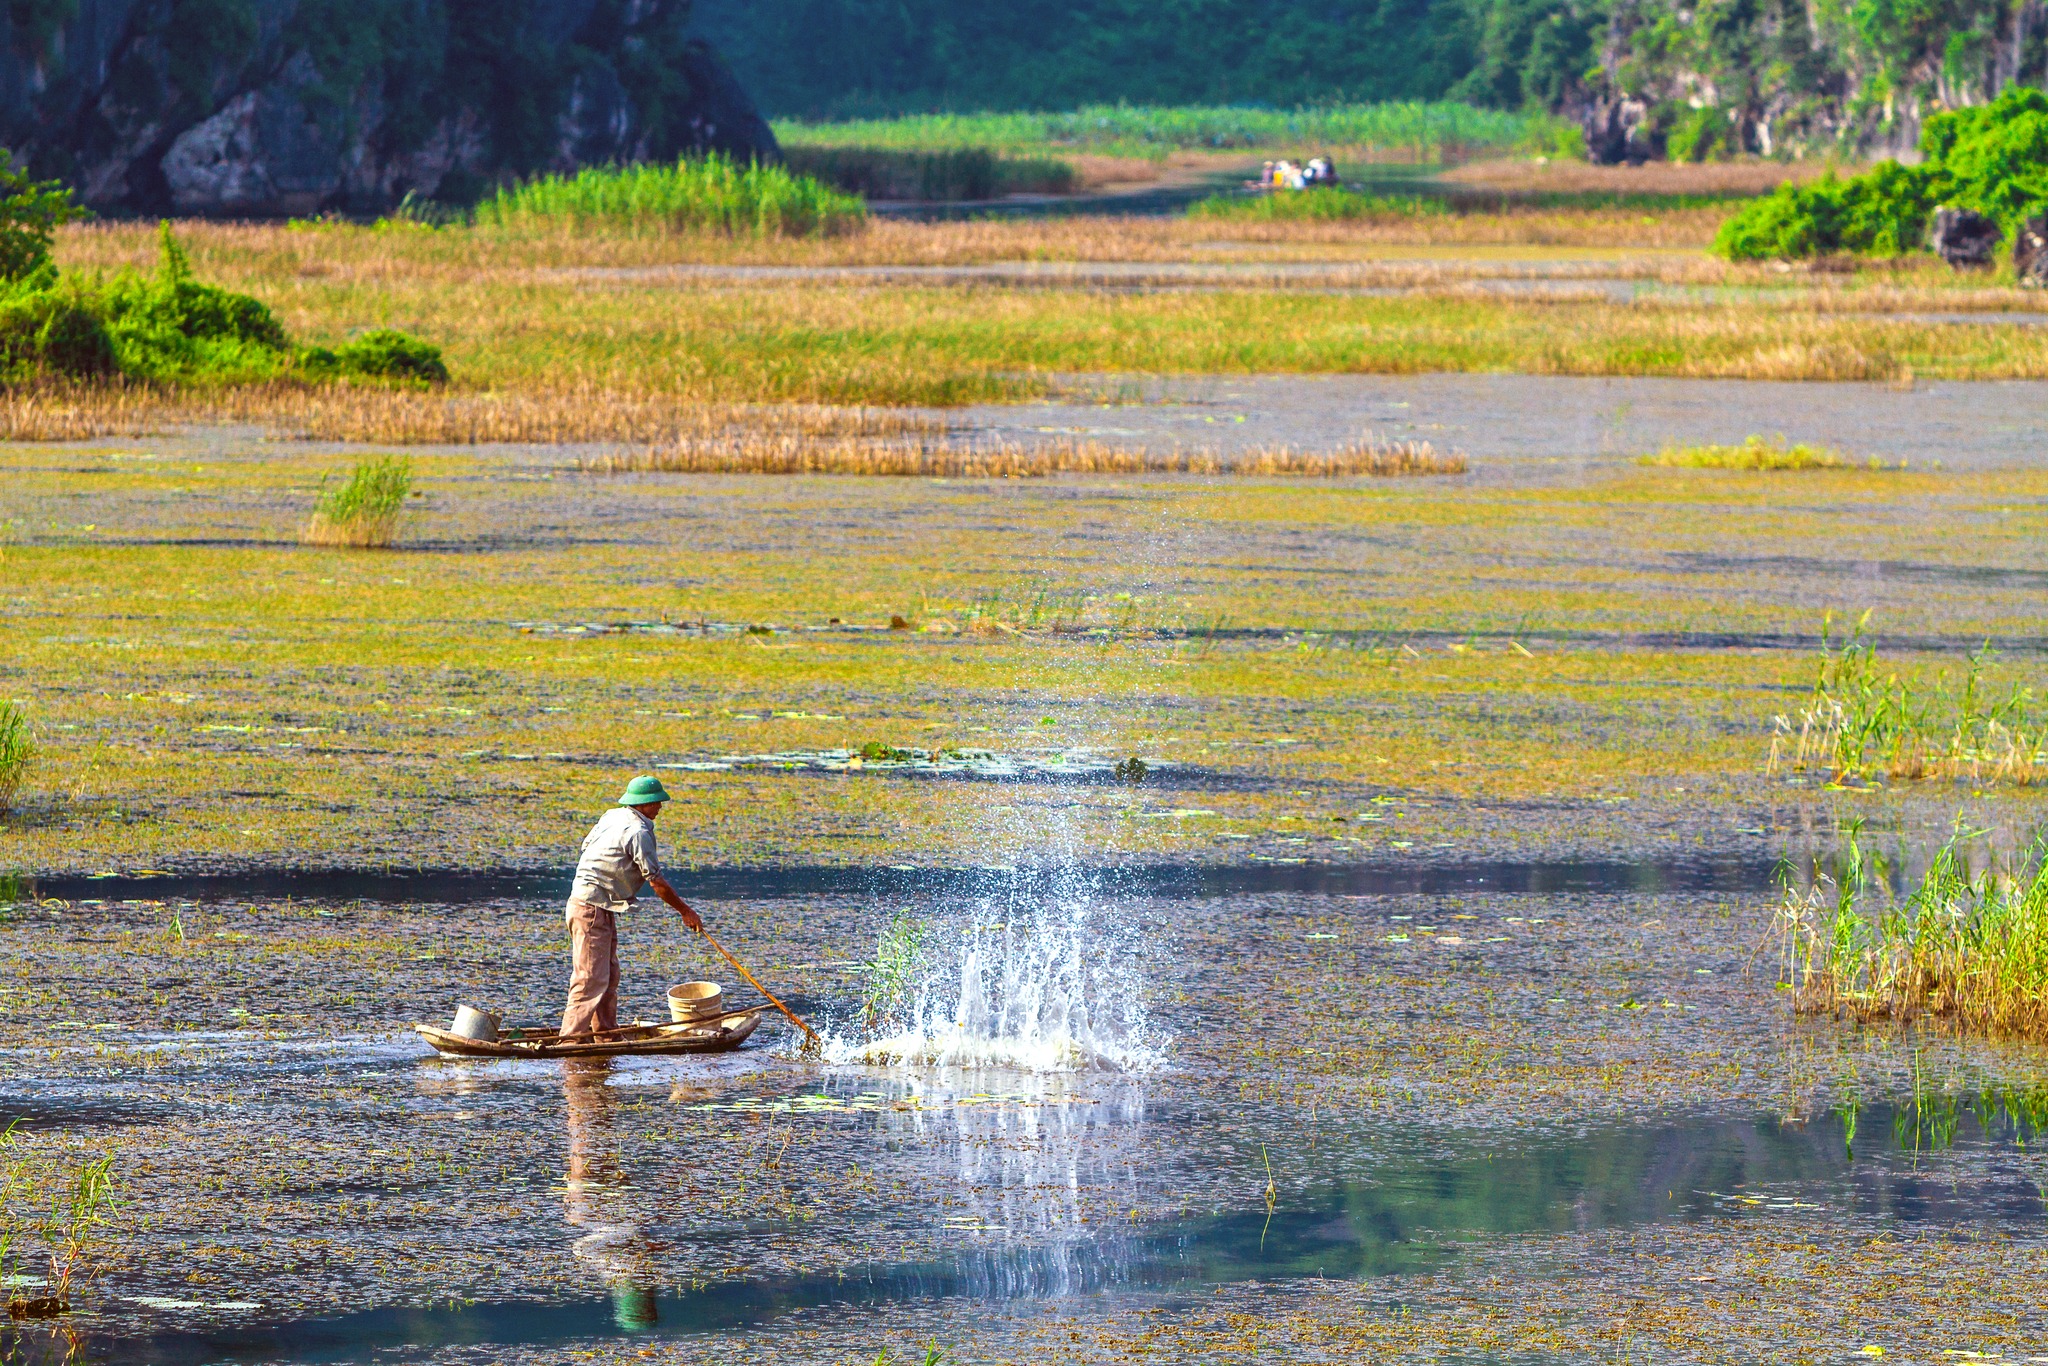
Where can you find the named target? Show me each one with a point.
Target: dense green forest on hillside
(1651, 77)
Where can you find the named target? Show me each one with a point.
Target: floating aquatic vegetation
(1863, 720)
(1069, 765)
(1967, 947)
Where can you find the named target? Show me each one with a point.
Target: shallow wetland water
(1322, 1111)
(1418, 1003)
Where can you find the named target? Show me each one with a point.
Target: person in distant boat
(618, 859)
(1320, 172)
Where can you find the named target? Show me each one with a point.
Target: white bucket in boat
(695, 1001)
(472, 1023)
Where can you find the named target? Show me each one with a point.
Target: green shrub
(1995, 156)
(1881, 213)
(17, 750)
(30, 211)
(697, 194)
(363, 510)
(383, 354)
(1703, 134)
(1992, 158)
(171, 328)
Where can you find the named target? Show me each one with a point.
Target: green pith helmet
(643, 790)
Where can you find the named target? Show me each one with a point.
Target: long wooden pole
(810, 1034)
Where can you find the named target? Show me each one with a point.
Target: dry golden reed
(340, 412)
(787, 452)
(356, 533)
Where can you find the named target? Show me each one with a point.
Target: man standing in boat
(618, 859)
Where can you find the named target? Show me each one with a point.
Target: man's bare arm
(682, 907)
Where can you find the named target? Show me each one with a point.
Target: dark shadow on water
(1876, 571)
(1167, 880)
(1408, 1211)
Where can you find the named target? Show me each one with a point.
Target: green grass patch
(710, 194)
(1753, 454)
(1422, 131)
(1324, 204)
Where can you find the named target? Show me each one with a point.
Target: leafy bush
(17, 749)
(1993, 158)
(170, 327)
(383, 354)
(697, 194)
(363, 510)
(1882, 213)
(30, 211)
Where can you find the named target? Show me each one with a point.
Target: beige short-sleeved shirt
(617, 860)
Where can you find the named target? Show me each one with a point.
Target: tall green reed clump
(893, 972)
(363, 510)
(1863, 721)
(712, 194)
(64, 1223)
(1966, 947)
(17, 751)
(1412, 130)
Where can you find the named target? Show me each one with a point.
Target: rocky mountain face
(257, 108)
(1699, 79)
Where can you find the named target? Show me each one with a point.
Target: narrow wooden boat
(719, 1034)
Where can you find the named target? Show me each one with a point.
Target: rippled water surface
(1091, 1106)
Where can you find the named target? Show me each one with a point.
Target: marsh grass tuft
(892, 973)
(363, 510)
(1755, 453)
(1863, 721)
(63, 1222)
(17, 751)
(1968, 948)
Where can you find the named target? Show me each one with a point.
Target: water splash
(1050, 992)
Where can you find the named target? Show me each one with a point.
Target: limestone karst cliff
(275, 107)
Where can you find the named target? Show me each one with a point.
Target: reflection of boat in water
(719, 1035)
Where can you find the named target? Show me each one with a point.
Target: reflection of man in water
(615, 1249)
